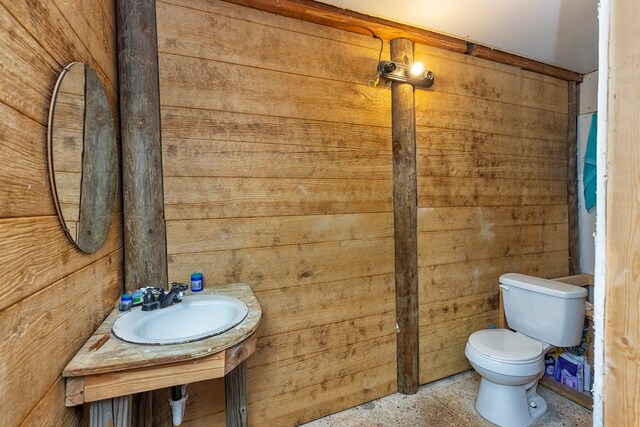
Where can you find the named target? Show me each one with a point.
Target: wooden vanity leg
(114, 412)
(235, 388)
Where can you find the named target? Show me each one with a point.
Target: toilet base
(510, 405)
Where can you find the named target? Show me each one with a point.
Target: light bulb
(416, 69)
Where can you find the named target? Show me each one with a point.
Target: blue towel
(590, 173)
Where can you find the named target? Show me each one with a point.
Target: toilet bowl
(510, 365)
(543, 314)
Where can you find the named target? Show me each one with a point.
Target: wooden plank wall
(622, 237)
(277, 172)
(53, 295)
(491, 143)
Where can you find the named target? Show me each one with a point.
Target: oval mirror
(82, 157)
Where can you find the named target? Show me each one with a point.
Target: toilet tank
(546, 310)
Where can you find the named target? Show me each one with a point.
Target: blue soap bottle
(125, 302)
(197, 282)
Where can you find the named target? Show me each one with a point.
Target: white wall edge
(604, 12)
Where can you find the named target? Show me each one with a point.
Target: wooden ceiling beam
(331, 16)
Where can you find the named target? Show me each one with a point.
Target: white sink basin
(195, 318)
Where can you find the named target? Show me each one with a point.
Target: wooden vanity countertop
(105, 353)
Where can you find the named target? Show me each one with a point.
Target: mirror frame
(99, 166)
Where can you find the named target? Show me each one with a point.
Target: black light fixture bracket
(402, 73)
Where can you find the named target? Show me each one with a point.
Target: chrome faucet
(175, 295)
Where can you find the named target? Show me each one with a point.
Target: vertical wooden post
(405, 205)
(572, 179)
(142, 414)
(145, 255)
(236, 396)
(620, 220)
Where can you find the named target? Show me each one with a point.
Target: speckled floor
(444, 403)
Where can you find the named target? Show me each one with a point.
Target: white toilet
(544, 314)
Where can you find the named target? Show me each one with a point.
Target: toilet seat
(506, 346)
(506, 353)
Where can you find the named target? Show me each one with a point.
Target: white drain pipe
(178, 400)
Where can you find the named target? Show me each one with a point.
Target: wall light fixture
(415, 74)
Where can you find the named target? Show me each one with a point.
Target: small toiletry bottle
(137, 297)
(125, 302)
(197, 282)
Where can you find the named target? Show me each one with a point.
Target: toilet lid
(505, 345)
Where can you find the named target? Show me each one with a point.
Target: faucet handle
(156, 291)
(178, 290)
(149, 303)
(179, 287)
